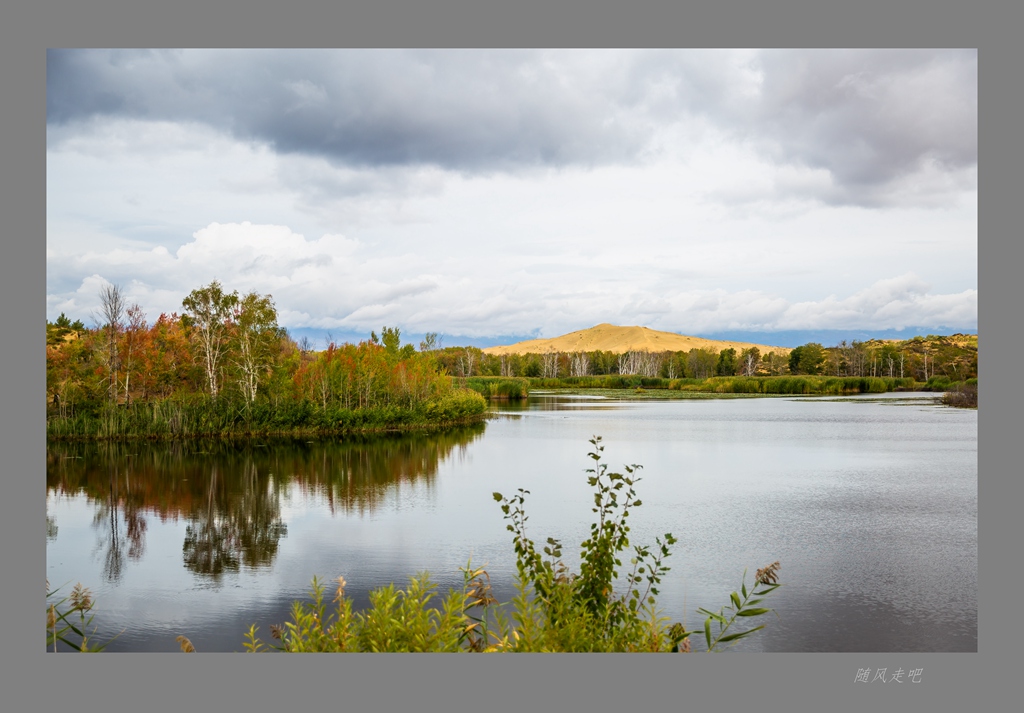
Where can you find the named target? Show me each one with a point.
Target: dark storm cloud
(869, 117)
(463, 110)
(873, 120)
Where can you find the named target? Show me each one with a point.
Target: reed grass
(61, 624)
(204, 418)
(606, 381)
(796, 385)
(500, 388)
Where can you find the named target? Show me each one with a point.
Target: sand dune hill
(609, 338)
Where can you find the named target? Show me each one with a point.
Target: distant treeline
(498, 387)
(922, 359)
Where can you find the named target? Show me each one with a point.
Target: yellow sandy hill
(609, 338)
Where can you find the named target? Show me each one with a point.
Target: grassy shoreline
(293, 433)
(178, 420)
(517, 388)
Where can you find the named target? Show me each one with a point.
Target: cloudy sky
(494, 194)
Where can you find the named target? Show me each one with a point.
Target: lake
(869, 502)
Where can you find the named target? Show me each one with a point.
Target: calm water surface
(870, 503)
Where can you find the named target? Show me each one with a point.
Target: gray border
(797, 682)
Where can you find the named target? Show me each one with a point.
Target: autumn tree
(208, 310)
(750, 361)
(67, 368)
(466, 361)
(112, 307)
(134, 334)
(167, 364)
(430, 342)
(253, 339)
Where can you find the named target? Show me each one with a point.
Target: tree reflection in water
(209, 547)
(229, 492)
(240, 525)
(119, 518)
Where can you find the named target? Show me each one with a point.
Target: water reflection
(541, 401)
(356, 476)
(239, 524)
(119, 521)
(230, 493)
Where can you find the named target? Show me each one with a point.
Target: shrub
(456, 405)
(938, 383)
(494, 387)
(962, 395)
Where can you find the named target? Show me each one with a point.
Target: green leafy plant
(398, 620)
(580, 611)
(600, 553)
